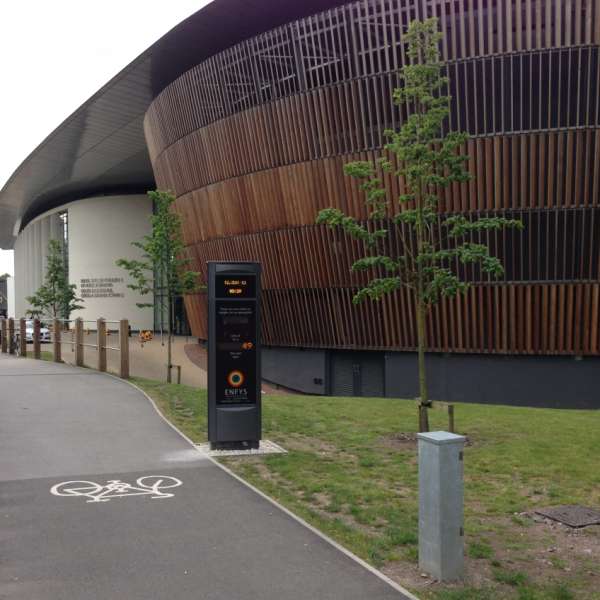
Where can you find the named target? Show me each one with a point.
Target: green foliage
(427, 159)
(561, 592)
(55, 298)
(514, 578)
(470, 593)
(480, 550)
(163, 265)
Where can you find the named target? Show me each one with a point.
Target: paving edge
(287, 511)
(266, 448)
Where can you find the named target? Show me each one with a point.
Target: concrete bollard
(441, 518)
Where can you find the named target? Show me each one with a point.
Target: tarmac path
(172, 526)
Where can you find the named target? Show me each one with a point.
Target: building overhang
(100, 148)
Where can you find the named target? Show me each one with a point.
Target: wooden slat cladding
(321, 257)
(361, 39)
(548, 90)
(253, 142)
(512, 319)
(529, 171)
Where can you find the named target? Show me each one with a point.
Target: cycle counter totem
(234, 373)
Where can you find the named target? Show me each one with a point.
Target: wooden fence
(13, 340)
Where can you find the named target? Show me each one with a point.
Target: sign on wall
(101, 287)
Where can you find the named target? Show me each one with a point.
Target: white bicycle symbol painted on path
(150, 485)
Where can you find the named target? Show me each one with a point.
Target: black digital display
(235, 352)
(235, 286)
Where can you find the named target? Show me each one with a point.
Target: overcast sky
(55, 54)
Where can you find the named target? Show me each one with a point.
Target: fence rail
(13, 343)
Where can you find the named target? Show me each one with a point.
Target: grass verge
(352, 472)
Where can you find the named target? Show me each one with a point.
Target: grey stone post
(441, 536)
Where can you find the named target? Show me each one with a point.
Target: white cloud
(55, 55)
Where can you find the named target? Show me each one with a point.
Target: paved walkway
(208, 538)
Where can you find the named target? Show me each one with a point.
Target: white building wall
(30, 257)
(10, 293)
(100, 232)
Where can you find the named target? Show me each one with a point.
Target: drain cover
(572, 515)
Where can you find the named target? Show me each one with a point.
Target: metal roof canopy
(100, 148)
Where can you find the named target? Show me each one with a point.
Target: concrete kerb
(288, 512)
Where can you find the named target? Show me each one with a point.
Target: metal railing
(62, 328)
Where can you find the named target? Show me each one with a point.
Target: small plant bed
(351, 470)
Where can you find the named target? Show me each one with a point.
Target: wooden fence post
(56, 347)
(79, 342)
(3, 334)
(451, 418)
(11, 335)
(124, 348)
(23, 337)
(101, 343)
(37, 351)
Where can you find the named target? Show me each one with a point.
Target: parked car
(44, 333)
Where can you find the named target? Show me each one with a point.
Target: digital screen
(235, 286)
(236, 352)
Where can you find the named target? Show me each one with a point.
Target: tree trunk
(169, 350)
(421, 313)
(424, 397)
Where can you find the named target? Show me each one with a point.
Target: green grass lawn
(351, 470)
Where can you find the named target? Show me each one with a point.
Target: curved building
(250, 111)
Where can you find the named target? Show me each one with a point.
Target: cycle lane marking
(148, 485)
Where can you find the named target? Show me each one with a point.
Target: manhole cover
(572, 515)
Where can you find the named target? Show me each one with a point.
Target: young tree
(56, 297)
(426, 159)
(162, 269)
